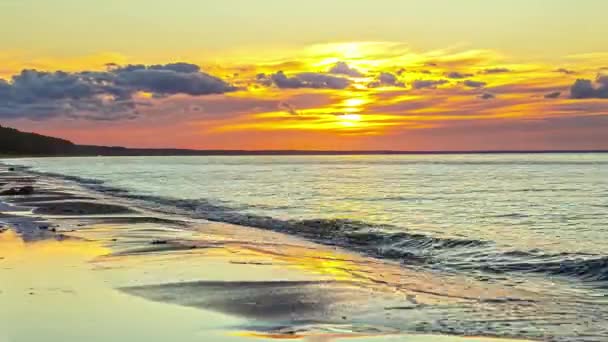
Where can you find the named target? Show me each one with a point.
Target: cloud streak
(304, 80)
(386, 79)
(422, 84)
(342, 68)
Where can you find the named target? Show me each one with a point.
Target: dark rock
(78, 208)
(11, 169)
(24, 190)
(159, 242)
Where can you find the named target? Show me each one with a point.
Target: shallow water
(535, 222)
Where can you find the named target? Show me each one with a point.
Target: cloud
(496, 70)
(308, 80)
(474, 84)
(457, 75)
(421, 84)
(341, 68)
(565, 71)
(487, 96)
(584, 89)
(553, 95)
(288, 107)
(386, 79)
(100, 95)
(179, 78)
(263, 79)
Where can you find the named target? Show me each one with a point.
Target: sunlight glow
(349, 120)
(350, 117)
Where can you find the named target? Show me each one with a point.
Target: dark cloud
(166, 81)
(487, 96)
(386, 79)
(282, 81)
(178, 67)
(457, 75)
(565, 71)
(263, 79)
(496, 70)
(309, 80)
(100, 95)
(474, 84)
(553, 95)
(585, 89)
(341, 68)
(288, 107)
(421, 84)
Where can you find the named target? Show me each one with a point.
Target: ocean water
(524, 209)
(538, 219)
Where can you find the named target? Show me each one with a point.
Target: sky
(321, 75)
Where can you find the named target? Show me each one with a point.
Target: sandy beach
(78, 265)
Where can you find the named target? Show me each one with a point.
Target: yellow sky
(179, 28)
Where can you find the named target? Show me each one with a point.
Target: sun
(350, 117)
(349, 120)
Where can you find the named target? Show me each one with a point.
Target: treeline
(14, 142)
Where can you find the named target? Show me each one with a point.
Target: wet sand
(76, 265)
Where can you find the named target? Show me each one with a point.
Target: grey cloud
(553, 95)
(487, 96)
(386, 79)
(282, 81)
(100, 95)
(496, 70)
(457, 75)
(263, 79)
(168, 82)
(178, 67)
(341, 68)
(584, 89)
(317, 80)
(474, 84)
(288, 107)
(309, 80)
(421, 84)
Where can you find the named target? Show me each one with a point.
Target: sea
(513, 219)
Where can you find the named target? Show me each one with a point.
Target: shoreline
(265, 284)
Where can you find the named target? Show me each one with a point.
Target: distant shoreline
(17, 144)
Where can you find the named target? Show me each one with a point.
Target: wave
(582, 267)
(379, 240)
